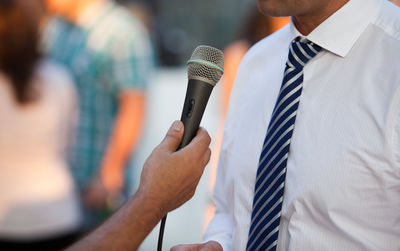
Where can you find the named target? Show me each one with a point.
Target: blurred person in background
(144, 13)
(109, 54)
(38, 206)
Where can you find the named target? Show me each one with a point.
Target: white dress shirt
(342, 187)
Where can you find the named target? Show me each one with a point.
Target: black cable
(161, 234)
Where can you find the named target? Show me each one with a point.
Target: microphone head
(206, 64)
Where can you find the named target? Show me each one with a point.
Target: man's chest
(343, 146)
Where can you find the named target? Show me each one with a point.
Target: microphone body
(205, 69)
(197, 94)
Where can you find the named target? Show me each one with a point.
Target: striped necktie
(271, 173)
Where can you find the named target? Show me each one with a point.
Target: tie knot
(301, 52)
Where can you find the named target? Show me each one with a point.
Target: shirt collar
(341, 30)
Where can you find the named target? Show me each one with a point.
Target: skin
(108, 182)
(70, 9)
(306, 15)
(169, 178)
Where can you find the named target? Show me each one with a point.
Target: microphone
(205, 69)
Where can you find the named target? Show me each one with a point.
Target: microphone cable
(161, 234)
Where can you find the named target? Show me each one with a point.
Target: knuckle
(205, 142)
(207, 139)
(191, 194)
(172, 136)
(208, 135)
(206, 157)
(205, 133)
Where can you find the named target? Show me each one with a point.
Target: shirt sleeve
(220, 227)
(131, 61)
(394, 122)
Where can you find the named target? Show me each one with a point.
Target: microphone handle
(197, 95)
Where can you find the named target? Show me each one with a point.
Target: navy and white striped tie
(271, 173)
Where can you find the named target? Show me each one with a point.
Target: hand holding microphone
(166, 167)
(169, 177)
(205, 69)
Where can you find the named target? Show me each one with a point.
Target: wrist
(150, 203)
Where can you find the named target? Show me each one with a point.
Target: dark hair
(19, 39)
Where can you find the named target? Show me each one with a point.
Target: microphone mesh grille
(211, 72)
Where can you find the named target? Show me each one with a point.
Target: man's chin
(272, 8)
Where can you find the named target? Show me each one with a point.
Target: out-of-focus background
(99, 85)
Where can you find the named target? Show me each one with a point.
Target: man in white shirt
(342, 185)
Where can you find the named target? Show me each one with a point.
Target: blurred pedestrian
(109, 54)
(38, 207)
(146, 16)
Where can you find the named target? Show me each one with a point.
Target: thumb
(173, 137)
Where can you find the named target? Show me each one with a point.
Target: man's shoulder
(130, 31)
(58, 28)
(389, 19)
(128, 25)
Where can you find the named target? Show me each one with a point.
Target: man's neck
(305, 24)
(83, 6)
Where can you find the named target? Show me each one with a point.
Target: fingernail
(177, 126)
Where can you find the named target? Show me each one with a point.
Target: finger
(188, 247)
(175, 248)
(173, 137)
(199, 143)
(178, 248)
(206, 157)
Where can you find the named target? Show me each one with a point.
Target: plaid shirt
(107, 52)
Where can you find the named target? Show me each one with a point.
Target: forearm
(126, 229)
(169, 178)
(125, 135)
